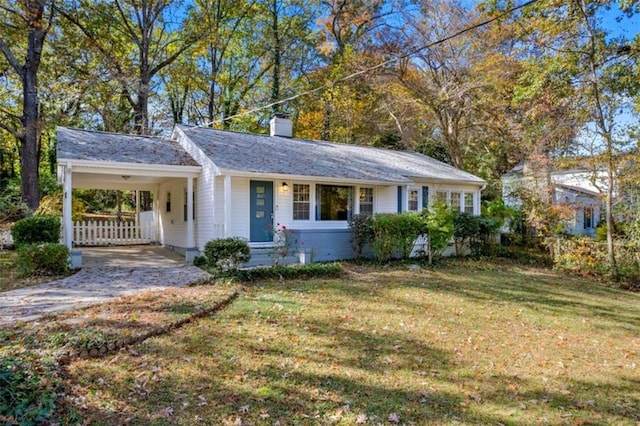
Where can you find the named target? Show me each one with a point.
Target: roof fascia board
(283, 176)
(132, 169)
(183, 139)
(115, 186)
(450, 181)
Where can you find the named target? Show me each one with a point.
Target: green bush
(36, 229)
(226, 254)
(200, 261)
(27, 390)
(439, 224)
(465, 229)
(42, 259)
(478, 233)
(396, 234)
(313, 270)
(362, 229)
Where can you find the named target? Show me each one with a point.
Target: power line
(380, 65)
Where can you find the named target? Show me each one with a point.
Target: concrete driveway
(107, 273)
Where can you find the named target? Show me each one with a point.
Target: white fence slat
(97, 233)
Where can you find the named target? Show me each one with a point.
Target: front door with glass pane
(261, 211)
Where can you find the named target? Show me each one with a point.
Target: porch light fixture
(285, 186)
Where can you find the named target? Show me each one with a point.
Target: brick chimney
(281, 125)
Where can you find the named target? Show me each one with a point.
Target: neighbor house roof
(252, 153)
(579, 189)
(76, 144)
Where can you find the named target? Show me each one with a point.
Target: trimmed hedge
(42, 259)
(224, 255)
(313, 270)
(36, 229)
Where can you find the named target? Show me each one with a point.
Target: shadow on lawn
(560, 294)
(298, 396)
(301, 365)
(292, 398)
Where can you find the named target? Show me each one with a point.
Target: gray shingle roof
(246, 152)
(76, 144)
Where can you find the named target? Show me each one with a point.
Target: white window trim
(356, 203)
(476, 198)
(355, 196)
(312, 196)
(418, 191)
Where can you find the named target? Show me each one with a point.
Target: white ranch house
(210, 184)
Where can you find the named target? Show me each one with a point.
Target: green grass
(469, 343)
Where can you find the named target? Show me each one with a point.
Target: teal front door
(261, 211)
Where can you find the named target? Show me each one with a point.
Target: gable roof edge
(191, 147)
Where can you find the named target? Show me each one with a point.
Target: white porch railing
(99, 233)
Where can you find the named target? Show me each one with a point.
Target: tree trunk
(29, 136)
(605, 131)
(141, 118)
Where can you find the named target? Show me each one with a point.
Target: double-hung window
(468, 202)
(413, 200)
(455, 201)
(301, 201)
(366, 201)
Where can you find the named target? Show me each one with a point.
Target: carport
(101, 160)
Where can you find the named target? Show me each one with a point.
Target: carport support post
(137, 224)
(67, 213)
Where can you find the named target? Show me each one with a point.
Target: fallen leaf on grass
(361, 419)
(166, 412)
(394, 418)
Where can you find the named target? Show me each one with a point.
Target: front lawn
(472, 343)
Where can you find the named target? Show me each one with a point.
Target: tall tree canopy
(481, 87)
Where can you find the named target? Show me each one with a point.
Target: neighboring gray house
(579, 188)
(210, 184)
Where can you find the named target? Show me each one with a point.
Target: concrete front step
(266, 256)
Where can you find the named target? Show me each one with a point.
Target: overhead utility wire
(380, 65)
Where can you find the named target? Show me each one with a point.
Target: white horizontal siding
(205, 194)
(387, 199)
(218, 207)
(239, 220)
(173, 227)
